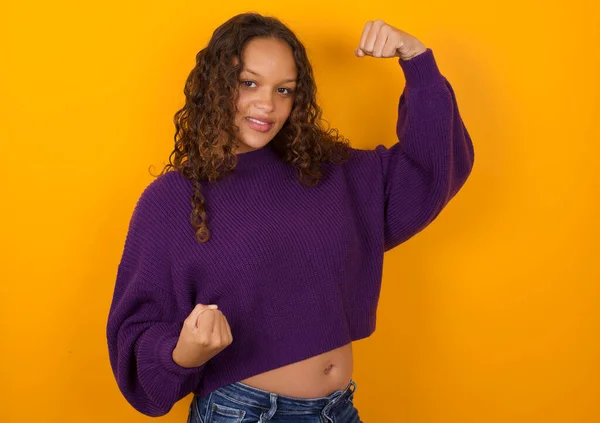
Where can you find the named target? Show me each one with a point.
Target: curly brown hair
(206, 136)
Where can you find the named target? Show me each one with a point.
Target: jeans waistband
(251, 396)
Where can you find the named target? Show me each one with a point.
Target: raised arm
(433, 156)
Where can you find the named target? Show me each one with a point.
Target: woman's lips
(259, 125)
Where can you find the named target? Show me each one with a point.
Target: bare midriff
(316, 376)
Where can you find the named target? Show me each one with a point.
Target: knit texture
(296, 270)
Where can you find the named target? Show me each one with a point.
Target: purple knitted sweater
(296, 270)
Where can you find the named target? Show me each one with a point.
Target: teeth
(258, 121)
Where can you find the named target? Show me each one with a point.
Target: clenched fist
(379, 39)
(204, 334)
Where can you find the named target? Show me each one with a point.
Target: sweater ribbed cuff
(164, 354)
(421, 70)
(156, 350)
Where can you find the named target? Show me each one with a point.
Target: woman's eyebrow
(258, 74)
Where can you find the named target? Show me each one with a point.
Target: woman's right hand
(205, 333)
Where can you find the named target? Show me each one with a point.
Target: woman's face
(266, 91)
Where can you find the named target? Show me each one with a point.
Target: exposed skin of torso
(316, 376)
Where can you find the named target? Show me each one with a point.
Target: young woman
(255, 258)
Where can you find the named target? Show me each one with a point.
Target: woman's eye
(282, 90)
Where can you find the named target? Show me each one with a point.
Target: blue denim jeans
(240, 403)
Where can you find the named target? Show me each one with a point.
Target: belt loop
(352, 391)
(272, 410)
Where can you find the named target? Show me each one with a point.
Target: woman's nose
(265, 102)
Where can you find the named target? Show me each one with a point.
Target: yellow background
(489, 315)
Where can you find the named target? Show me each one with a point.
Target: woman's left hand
(382, 40)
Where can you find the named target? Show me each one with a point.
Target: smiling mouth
(258, 125)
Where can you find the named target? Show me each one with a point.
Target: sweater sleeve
(144, 320)
(433, 156)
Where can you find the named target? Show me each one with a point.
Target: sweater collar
(259, 157)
